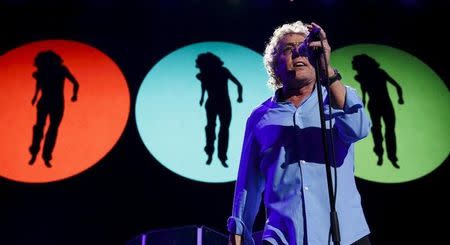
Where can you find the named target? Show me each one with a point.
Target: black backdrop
(128, 192)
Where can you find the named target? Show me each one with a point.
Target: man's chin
(296, 84)
(302, 81)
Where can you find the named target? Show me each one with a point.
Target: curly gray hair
(270, 53)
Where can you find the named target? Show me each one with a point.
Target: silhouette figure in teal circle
(373, 82)
(214, 80)
(50, 76)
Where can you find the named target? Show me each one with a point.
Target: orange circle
(90, 126)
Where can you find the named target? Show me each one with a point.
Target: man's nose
(295, 53)
(301, 50)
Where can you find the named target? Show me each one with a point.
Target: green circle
(421, 125)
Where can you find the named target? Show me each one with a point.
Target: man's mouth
(299, 64)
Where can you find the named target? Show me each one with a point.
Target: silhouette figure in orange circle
(50, 76)
(373, 82)
(214, 80)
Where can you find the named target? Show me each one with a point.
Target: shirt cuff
(235, 226)
(352, 100)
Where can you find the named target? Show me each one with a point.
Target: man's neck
(298, 95)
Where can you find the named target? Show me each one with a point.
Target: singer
(282, 159)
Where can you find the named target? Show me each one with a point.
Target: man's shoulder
(263, 107)
(260, 110)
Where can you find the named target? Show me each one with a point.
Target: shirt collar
(276, 98)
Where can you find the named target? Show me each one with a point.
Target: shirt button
(306, 188)
(302, 162)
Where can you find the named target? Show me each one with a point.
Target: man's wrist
(333, 77)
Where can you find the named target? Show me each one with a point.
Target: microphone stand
(334, 222)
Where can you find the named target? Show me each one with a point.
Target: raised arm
(75, 83)
(337, 89)
(397, 87)
(239, 86)
(351, 122)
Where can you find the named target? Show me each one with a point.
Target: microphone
(314, 35)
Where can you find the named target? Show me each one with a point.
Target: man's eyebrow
(293, 43)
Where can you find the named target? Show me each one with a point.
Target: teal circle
(171, 122)
(421, 126)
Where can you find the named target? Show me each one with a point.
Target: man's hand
(318, 45)
(234, 239)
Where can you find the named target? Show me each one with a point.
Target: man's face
(292, 66)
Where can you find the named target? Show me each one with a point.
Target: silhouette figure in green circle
(373, 82)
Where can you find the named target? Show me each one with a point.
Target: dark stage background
(128, 192)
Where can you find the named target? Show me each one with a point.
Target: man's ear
(275, 66)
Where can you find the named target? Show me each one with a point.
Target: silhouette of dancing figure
(373, 82)
(214, 79)
(50, 76)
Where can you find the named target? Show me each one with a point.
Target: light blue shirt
(282, 156)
